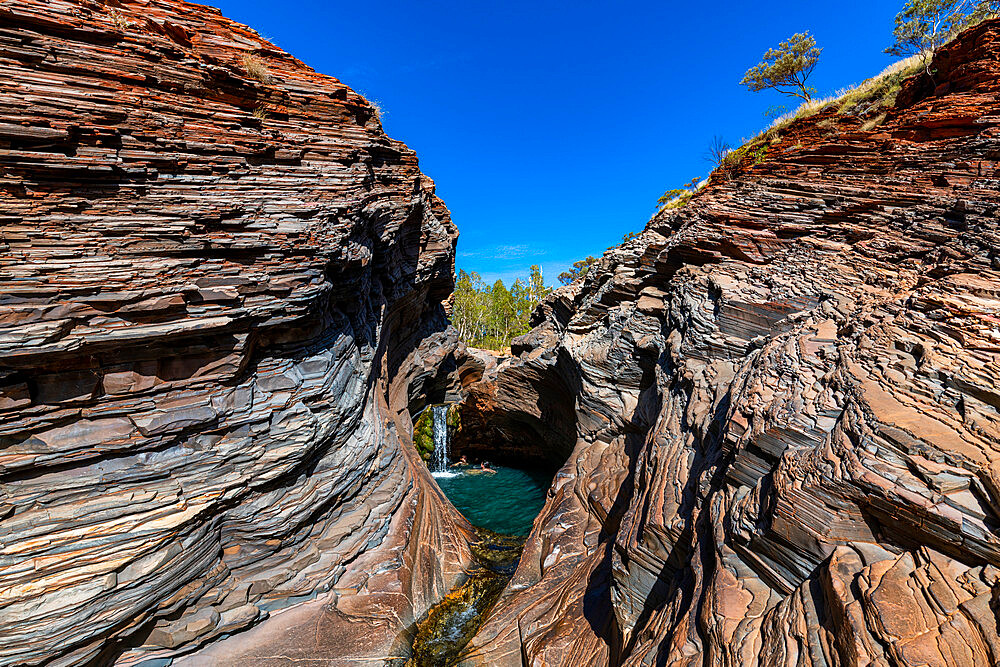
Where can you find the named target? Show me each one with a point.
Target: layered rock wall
(215, 273)
(787, 438)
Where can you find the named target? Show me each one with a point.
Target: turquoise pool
(505, 502)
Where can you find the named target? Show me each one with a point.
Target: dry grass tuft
(806, 109)
(872, 123)
(377, 109)
(880, 91)
(119, 21)
(256, 68)
(261, 112)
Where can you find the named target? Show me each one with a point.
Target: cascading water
(439, 463)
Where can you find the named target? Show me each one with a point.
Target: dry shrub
(256, 68)
(119, 21)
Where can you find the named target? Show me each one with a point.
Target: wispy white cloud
(512, 251)
(501, 252)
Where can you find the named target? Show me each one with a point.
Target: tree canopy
(578, 271)
(786, 68)
(491, 316)
(923, 26)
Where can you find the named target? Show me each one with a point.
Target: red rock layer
(786, 409)
(214, 271)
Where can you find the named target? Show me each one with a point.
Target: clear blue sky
(551, 128)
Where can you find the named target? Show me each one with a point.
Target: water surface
(502, 505)
(505, 502)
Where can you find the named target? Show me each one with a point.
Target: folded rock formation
(220, 307)
(784, 404)
(215, 275)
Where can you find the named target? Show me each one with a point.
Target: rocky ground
(215, 275)
(781, 406)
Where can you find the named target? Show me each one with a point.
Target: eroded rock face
(527, 420)
(215, 275)
(786, 409)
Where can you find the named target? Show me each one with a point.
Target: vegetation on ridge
(678, 197)
(921, 28)
(786, 68)
(577, 271)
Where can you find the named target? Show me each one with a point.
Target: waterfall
(440, 461)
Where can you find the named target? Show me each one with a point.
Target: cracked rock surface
(784, 404)
(215, 275)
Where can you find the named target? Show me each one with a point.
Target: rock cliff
(216, 272)
(782, 406)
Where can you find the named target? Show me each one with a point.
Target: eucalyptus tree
(787, 68)
(490, 316)
(924, 26)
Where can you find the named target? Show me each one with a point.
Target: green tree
(491, 316)
(923, 26)
(468, 307)
(536, 286)
(786, 68)
(578, 271)
(988, 9)
(499, 313)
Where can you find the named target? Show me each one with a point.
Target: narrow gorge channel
(501, 502)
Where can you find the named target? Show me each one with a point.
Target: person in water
(461, 462)
(485, 467)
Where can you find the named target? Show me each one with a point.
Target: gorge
(771, 417)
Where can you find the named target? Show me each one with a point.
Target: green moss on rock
(454, 419)
(423, 434)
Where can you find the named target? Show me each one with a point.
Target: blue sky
(551, 128)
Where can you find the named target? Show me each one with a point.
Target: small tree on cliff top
(786, 68)
(923, 26)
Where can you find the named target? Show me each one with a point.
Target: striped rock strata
(215, 272)
(784, 404)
